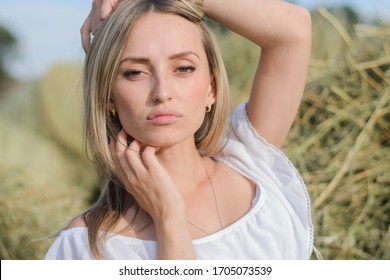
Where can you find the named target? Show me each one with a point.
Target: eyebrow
(183, 54)
(171, 57)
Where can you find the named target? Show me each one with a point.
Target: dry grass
(44, 181)
(339, 142)
(60, 99)
(341, 136)
(31, 210)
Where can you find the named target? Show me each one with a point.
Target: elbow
(294, 29)
(302, 25)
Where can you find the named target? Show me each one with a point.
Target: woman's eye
(186, 69)
(132, 74)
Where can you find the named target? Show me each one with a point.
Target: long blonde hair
(100, 70)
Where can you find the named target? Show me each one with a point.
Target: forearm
(267, 23)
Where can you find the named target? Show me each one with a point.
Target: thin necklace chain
(215, 200)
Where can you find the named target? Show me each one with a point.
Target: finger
(133, 156)
(149, 158)
(121, 147)
(114, 156)
(95, 26)
(123, 175)
(86, 34)
(157, 171)
(122, 139)
(107, 8)
(153, 166)
(135, 146)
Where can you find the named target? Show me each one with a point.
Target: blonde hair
(100, 70)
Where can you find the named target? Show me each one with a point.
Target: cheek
(127, 107)
(196, 107)
(198, 91)
(125, 98)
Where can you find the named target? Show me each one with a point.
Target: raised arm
(283, 31)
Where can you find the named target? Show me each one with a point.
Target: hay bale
(30, 211)
(37, 155)
(42, 184)
(340, 143)
(60, 96)
(240, 58)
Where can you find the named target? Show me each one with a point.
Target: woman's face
(163, 83)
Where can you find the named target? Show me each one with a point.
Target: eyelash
(134, 73)
(186, 69)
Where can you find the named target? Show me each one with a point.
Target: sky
(48, 31)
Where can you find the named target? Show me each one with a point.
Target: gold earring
(208, 108)
(113, 112)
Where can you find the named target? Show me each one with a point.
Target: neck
(185, 166)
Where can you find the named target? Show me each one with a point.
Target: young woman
(181, 180)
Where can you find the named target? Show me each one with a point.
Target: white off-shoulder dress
(278, 226)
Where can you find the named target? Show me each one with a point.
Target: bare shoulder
(236, 182)
(76, 222)
(235, 192)
(129, 225)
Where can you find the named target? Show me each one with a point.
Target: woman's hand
(155, 191)
(146, 179)
(100, 10)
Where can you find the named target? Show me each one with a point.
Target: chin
(167, 136)
(166, 141)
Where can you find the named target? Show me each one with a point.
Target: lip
(163, 117)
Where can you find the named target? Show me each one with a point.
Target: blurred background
(340, 141)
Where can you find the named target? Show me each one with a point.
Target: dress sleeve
(70, 245)
(251, 155)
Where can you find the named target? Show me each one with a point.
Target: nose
(162, 90)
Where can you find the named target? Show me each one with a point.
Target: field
(340, 143)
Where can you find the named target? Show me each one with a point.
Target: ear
(211, 92)
(111, 104)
